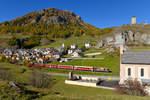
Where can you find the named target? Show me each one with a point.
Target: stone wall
(88, 84)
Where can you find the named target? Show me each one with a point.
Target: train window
(129, 71)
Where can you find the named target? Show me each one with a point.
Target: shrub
(5, 74)
(32, 41)
(83, 48)
(26, 62)
(2, 58)
(132, 87)
(13, 41)
(9, 92)
(115, 53)
(40, 80)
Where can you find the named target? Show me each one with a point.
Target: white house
(63, 45)
(56, 56)
(88, 45)
(135, 65)
(70, 51)
(75, 54)
(73, 46)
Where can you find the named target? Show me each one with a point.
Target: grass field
(113, 63)
(16, 72)
(71, 40)
(72, 92)
(62, 91)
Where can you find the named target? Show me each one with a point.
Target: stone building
(133, 20)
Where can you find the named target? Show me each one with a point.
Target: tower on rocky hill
(133, 20)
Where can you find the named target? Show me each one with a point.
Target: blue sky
(100, 13)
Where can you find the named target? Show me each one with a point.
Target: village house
(70, 51)
(65, 59)
(135, 65)
(88, 45)
(56, 55)
(74, 51)
(76, 54)
(32, 55)
(73, 46)
(49, 56)
(40, 60)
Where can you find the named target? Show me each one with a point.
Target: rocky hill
(47, 16)
(138, 34)
(52, 21)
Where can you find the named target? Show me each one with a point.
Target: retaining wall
(88, 84)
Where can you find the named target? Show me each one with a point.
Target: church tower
(133, 20)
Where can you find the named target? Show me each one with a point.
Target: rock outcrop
(52, 15)
(127, 37)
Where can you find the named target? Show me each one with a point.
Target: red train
(71, 67)
(84, 68)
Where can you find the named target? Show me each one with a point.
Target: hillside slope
(52, 22)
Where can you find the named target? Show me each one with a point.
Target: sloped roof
(136, 57)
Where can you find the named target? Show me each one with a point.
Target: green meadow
(61, 91)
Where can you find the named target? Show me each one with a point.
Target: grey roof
(136, 57)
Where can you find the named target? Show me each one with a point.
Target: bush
(2, 58)
(115, 53)
(5, 74)
(83, 48)
(32, 41)
(26, 62)
(132, 87)
(9, 92)
(40, 80)
(13, 41)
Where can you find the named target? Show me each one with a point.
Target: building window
(129, 71)
(142, 72)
